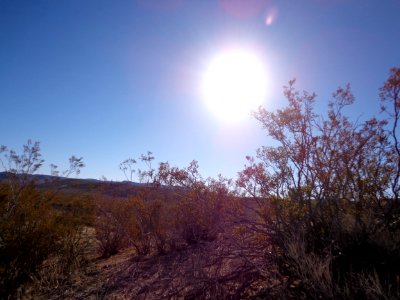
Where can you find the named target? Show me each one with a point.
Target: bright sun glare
(234, 84)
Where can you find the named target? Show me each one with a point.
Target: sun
(234, 84)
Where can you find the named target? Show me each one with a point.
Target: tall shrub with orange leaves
(30, 228)
(327, 193)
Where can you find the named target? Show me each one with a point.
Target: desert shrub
(173, 208)
(113, 223)
(150, 231)
(69, 258)
(327, 196)
(198, 204)
(195, 219)
(137, 222)
(27, 238)
(31, 235)
(31, 230)
(77, 210)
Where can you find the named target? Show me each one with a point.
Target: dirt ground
(204, 271)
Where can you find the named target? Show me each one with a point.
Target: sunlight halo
(234, 84)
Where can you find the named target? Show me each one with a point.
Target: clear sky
(108, 80)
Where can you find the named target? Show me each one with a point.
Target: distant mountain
(77, 185)
(39, 178)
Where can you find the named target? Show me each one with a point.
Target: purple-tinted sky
(108, 80)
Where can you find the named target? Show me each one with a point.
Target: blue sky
(108, 80)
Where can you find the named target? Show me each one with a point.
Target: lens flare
(271, 17)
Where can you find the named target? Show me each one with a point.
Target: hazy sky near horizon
(109, 80)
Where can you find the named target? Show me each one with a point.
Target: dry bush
(320, 276)
(198, 203)
(33, 234)
(158, 221)
(70, 258)
(334, 183)
(31, 229)
(28, 236)
(137, 222)
(314, 272)
(195, 218)
(113, 223)
(149, 232)
(176, 209)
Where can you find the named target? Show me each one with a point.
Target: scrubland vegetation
(315, 217)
